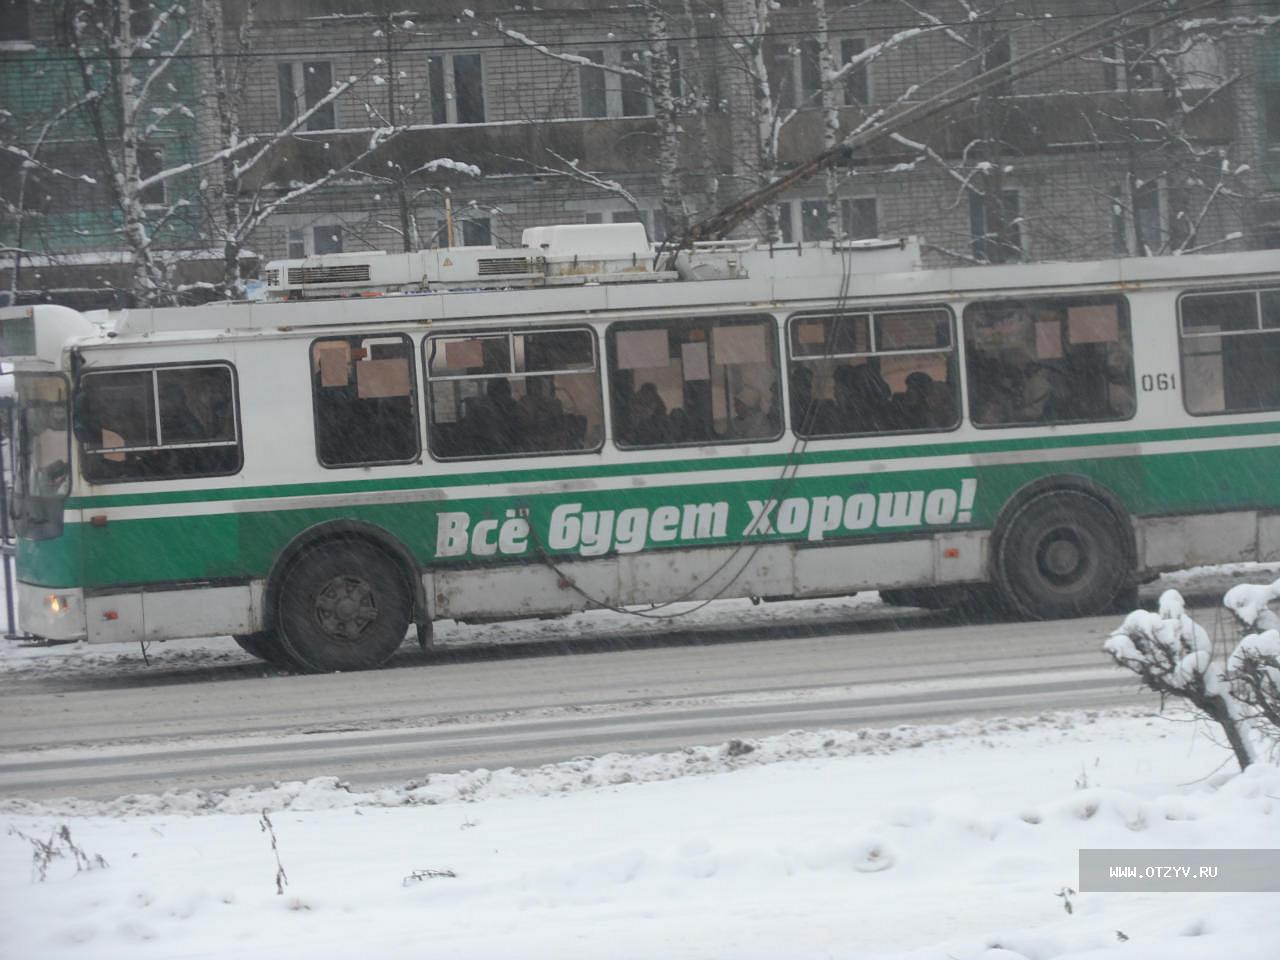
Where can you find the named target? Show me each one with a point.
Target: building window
(1128, 64)
(857, 86)
(296, 243)
(160, 423)
(514, 392)
(591, 86)
(810, 220)
(15, 24)
(1137, 221)
(1270, 94)
(1230, 351)
(302, 86)
(709, 380)
(996, 229)
(860, 217)
(477, 232)
(606, 93)
(457, 87)
(878, 371)
(996, 55)
(1059, 360)
(363, 391)
(150, 163)
(326, 238)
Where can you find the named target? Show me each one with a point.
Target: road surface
(101, 735)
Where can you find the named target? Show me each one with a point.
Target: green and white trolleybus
(474, 433)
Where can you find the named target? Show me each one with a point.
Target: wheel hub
(345, 606)
(1061, 557)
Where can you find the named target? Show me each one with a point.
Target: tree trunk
(664, 108)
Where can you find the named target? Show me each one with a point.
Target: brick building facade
(518, 115)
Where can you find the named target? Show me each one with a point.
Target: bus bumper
(51, 613)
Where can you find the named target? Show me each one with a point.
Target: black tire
(264, 646)
(1063, 555)
(344, 605)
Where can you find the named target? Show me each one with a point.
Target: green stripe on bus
(241, 544)
(509, 475)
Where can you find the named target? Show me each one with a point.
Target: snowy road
(107, 733)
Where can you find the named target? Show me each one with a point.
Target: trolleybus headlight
(57, 604)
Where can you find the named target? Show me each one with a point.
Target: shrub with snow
(1173, 655)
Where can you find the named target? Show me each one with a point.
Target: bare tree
(246, 193)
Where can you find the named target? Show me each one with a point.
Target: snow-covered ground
(939, 843)
(954, 842)
(79, 658)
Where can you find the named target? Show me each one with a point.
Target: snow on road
(922, 843)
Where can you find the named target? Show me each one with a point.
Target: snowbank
(928, 846)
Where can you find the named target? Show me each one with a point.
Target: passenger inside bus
(749, 417)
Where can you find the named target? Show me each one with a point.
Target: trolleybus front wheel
(1063, 555)
(264, 646)
(344, 605)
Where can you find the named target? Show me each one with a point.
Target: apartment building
(465, 122)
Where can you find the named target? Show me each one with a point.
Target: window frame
(1125, 315)
(298, 81)
(238, 442)
(952, 352)
(851, 78)
(1257, 290)
(666, 323)
(510, 333)
(449, 87)
(413, 397)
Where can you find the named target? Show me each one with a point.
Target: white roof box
(597, 241)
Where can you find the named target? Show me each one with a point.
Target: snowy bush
(1173, 655)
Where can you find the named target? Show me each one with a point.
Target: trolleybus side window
(513, 392)
(694, 381)
(876, 371)
(158, 423)
(363, 391)
(1050, 360)
(1230, 351)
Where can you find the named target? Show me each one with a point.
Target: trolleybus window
(877, 371)
(158, 423)
(513, 392)
(363, 389)
(1230, 351)
(694, 381)
(1051, 360)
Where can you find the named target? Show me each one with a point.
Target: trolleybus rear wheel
(1062, 555)
(344, 605)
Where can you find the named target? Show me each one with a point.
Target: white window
(470, 229)
(1199, 64)
(308, 237)
(457, 87)
(302, 85)
(810, 219)
(795, 72)
(15, 25)
(996, 229)
(857, 82)
(1137, 219)
(1128, 64)
(607, 93)
(151, 162)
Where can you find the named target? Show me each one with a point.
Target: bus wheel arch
(1063, 546)
(360, 560)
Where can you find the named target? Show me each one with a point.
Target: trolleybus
(389, 440)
